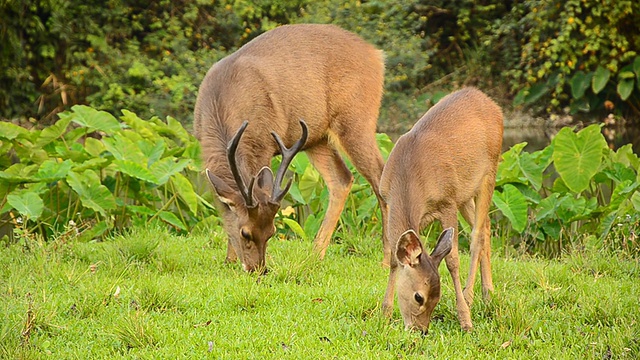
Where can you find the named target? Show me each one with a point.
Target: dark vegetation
(149, 57)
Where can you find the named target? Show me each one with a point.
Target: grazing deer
(446, 163)
(327, 77)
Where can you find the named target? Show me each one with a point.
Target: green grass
(176, 299)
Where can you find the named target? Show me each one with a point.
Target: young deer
(446, 163)
(316, 80)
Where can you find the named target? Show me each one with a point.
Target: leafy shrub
(575, 186)
(91, 173)
(573, 44)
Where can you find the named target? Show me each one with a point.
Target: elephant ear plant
(577, 185)
(91, 173)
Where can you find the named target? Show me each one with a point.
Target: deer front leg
(338, 178)
(453, 264)
(485, 263)
(481, 242)
(387, 302)
(359, 142)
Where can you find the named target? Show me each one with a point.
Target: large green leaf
(28, 204)
(385, 144)
(577, 157)
(11, 131)
(163, 169)
(635, 200)
(172, 219)
(295, 227)
(152, 150)
(94, 120)
(52, 170)
(622, 192)
(135, 170)
(600, 79)
(625, 88)
(177, 129)
(308, 183)
(627, 157)
(298, 164)
(509, 170)
(536, 92)
(92, 193)
(532, 170)
(571, 208)
(580, 83)
(123, 148)
(93, 163)
(18, 173)
(93, 147)
(75, 152)
(546, 209)
(185, 191)
(312, 225)
(513, 205)
(50, 133)
(138, 125)
(636, 68)
(294, 192)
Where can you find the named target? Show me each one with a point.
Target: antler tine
(231, 156)
(287, 156)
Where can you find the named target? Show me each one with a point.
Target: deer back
(443, 158)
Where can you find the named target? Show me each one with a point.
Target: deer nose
(423, 330)
(260, 269)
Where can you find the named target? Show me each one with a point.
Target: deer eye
(419, 298)
(245, 234)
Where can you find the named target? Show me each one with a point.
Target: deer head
(418, 278)
(249, 211)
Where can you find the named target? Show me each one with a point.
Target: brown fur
(326, 76)
(446, 163)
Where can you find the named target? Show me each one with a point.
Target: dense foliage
(579, 46)
(575, 186)
(151, 57)
(91, 173)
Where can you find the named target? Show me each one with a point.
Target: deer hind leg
(453, 264)
(485, 263)
(481, 242)
(360, 145)
(482, 212)
(475, 244)
(338, 178)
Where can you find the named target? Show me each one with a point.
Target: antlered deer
(446, 163)
(316, 80)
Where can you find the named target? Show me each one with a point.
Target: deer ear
(409, 248)
(443, 246)
(225, 193)
(264, 179)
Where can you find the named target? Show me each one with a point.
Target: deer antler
(287, 157)
(247, 193)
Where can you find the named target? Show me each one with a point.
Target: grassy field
(154, 295)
